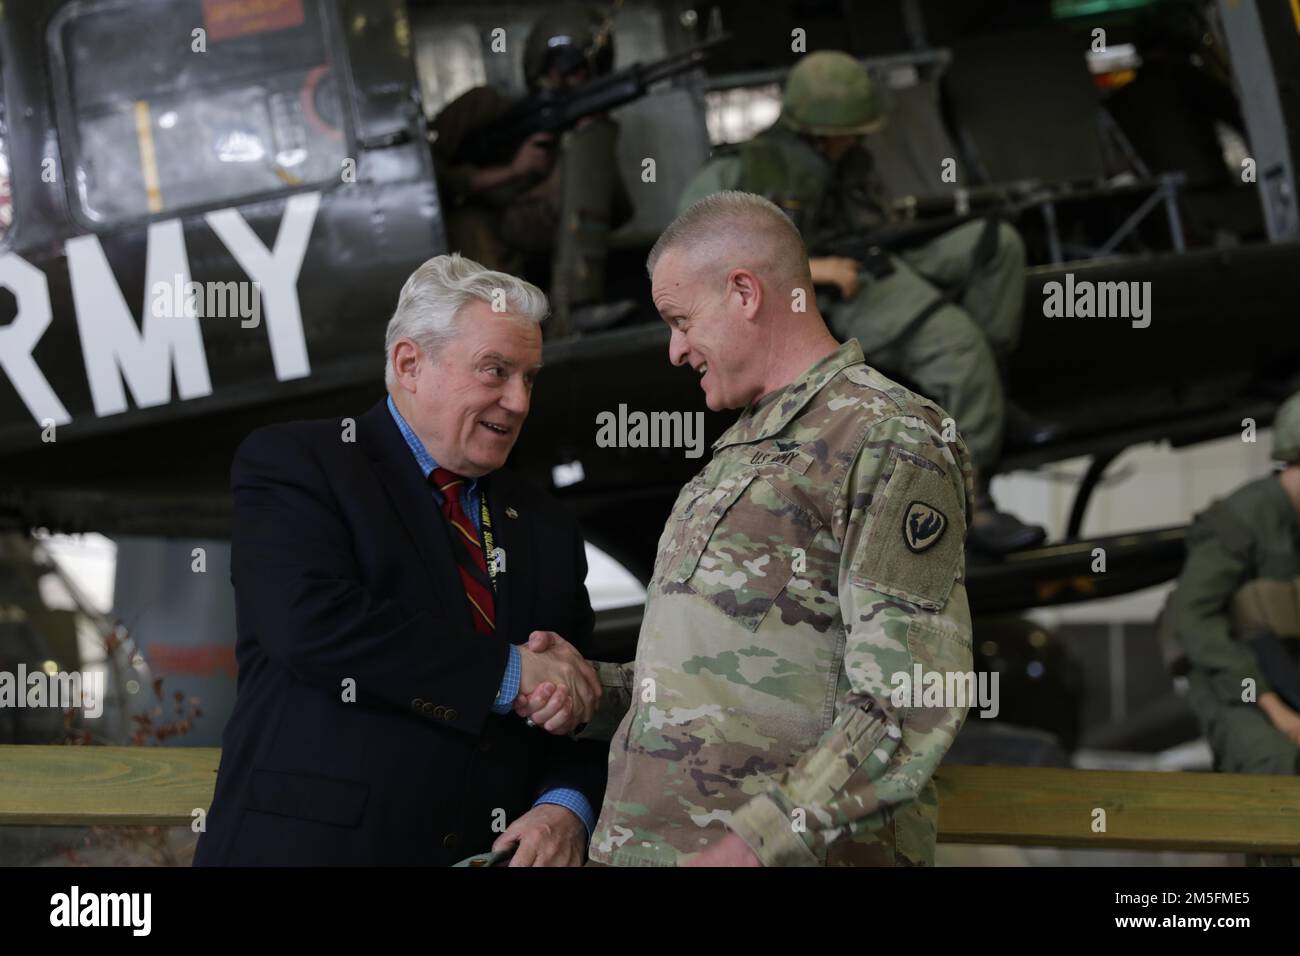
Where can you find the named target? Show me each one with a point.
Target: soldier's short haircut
(734, 229)
(432, 299)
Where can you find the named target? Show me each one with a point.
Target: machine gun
(872, 248)
(554, 111)
(920, 220)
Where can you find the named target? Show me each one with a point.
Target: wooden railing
(1144, 810)
(1022, 806)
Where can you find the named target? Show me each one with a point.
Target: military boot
(1023, 430)
(996, 532)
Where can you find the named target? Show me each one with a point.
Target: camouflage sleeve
(615, 699)
(1217, 564)
(903, 602)
(718, 174)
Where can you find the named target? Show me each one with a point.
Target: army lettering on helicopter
(114, 349)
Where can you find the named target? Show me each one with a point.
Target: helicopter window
(170, 105)
(739, 113)
(449, 61)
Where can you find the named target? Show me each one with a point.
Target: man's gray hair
(435, 293)
(730, 223)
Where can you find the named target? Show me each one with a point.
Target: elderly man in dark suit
(389, 575)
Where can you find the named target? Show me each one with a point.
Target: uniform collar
(771, 414)
(789, 137)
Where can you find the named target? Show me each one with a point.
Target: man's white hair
(434, 295)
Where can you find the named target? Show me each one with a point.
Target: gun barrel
(679, 63)
(555, 112)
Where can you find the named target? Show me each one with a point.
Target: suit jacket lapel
(413, 499)
(511, 535)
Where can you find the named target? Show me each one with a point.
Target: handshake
(559, 690)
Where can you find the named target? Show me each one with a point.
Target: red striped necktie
(468, 548)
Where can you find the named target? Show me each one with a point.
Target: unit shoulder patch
(915, 546)
(923, 526)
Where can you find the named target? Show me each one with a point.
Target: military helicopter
(283, 147)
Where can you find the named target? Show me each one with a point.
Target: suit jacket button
(451, 841)
(451, 713)
(428, 707)
(439, 711)
(417, 704)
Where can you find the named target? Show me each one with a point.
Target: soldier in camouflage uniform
(533, 215)
(819, 553)
(813, 165)
(1235, 614)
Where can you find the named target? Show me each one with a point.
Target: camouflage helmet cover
(829, 93)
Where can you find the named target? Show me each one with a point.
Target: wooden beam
(1040, 806)
(1019, 806)
(91, 786)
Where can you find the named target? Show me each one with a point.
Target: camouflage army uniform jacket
(818, 554)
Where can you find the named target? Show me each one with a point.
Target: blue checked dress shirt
(469, 498)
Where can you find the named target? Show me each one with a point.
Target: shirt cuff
(505, 701)
(571, 800)
(768, 829)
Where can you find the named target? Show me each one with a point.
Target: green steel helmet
(1286, 431)
(569, 37)
(829, 93)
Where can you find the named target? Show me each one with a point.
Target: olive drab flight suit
(1241, 577)
(565, 217)
(952, 356)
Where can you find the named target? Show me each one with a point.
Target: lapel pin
(511, 513)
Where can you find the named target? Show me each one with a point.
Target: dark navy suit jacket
(343, 571)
